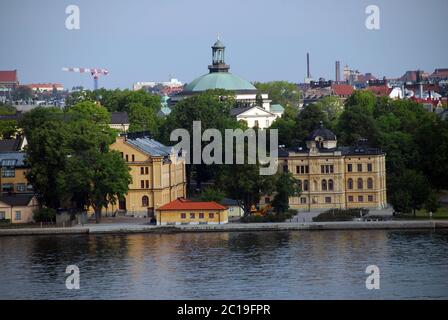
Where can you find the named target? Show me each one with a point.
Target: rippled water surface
(246, 265)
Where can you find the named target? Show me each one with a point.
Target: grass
(442, 213)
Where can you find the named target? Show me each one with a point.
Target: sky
(266, 40)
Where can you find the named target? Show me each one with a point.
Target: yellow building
(158, 175)
(17, 208)
(183, 211)
(13, 173)
(335, 177)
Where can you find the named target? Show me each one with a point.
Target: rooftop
(8, 76)
(15, 200)
(185, 204)
(147, 145)
(119, 118)
(15, 159)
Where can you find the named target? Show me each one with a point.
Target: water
(246, 265)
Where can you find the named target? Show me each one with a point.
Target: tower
(218, 62)
(338, 71)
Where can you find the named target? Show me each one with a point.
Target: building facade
(13, 173)
(182, 212)
(158, 175)
(335, 177)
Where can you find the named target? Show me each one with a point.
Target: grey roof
(229, 202)
(219, 44)
(119, 118)
(18, 199)
(321, 132)
(18, 156)
(345, 151)
(10, 145)
(237, 111)
(150, 146)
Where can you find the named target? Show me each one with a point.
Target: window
(369, 167)
(299, 184)
(359, 167)
(329, 168)
(192, 215)
(257, 124)
(330, 185)
(21, 187)
(360, 199)
(142, 184)
(2, 215)
(322, 169)
(8, 172)
(303, 169)
(133, 158)
(370, 198)
(350, 184)
(306, 185)
(18, 215)
(142, 170)
(145, 201)
(7, 187)
(147, 184)
(324, 185)
(327, 199)
(350, 198)
(201, 215)
(370, 183)
(211, 215)
(146, 170)
(349, 167)
(127, 158)
(122, 154)
(183, 215)
(303, 200)
(360, 183)
(9, 163)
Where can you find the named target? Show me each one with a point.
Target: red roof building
(9, 79)
(342, 90)
(380, 91)
(182, 212)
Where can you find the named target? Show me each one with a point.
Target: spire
(218, 62)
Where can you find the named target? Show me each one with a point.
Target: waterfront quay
(129, 228)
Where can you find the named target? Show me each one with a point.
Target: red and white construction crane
(95, 72)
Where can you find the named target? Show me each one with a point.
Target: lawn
(442, 213)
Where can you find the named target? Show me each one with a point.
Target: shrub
(5, 221)
(340, 215)
(44, 215)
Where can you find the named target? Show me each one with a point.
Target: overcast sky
(266, 40)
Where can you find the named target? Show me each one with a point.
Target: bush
(5, 221)
(340, 215)
(44, 215)
(267, 218)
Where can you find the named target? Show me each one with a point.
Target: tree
(309, 119)
(142, 119)
(281, 92)
(356, 123)
(212, 194)
(22, 93)
(285, 186)
(432, 204)
(412, 191)
(333, 107)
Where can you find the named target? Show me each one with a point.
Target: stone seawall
(232, 227)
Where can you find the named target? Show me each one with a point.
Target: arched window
(330, 185)
(360, 183)
(370, 183)
(350, 184)
(306, 185)
(145, 201)
(324, 185)
(299, 184)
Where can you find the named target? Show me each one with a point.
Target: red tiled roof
(184, 204)
(435, 103)
(342, 89)
(380, 90)
(44, 85)
(8, 76)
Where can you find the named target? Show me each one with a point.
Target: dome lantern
(218, 62)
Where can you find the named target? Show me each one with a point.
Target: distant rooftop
(143, 142)
(119, 118)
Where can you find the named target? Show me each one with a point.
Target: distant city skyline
(265, 40)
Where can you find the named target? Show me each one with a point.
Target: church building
(256, 112)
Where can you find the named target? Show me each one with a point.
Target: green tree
(142, 119)
(309, 119)
(286, 186)
(281, 92)
(212, 194)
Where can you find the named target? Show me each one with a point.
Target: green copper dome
(219, 80)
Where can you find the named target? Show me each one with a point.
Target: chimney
(308, 66)
(338, 72)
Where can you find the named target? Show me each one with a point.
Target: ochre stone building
(335, 177)
(158, 175)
